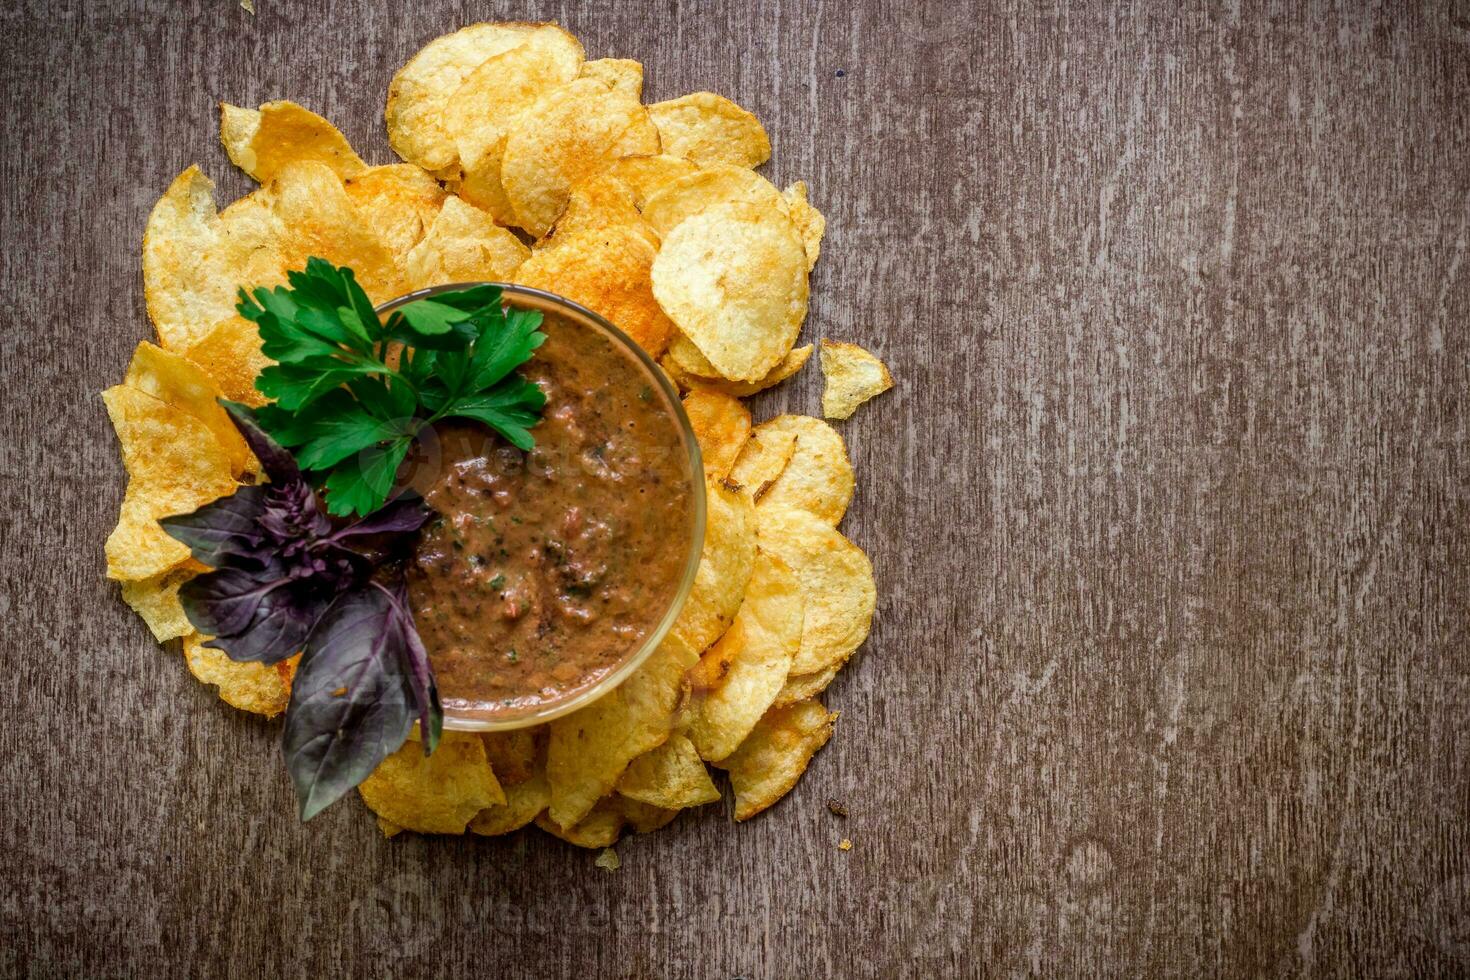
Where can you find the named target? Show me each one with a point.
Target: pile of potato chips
(527, 163)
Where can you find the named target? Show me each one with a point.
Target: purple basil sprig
(286, 578)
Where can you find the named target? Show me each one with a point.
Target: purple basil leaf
(402, 514)
(226, 531)
(352, 699)
(252, 615)
(416, 662)
(278, 464)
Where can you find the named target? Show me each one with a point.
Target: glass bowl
(524, 297)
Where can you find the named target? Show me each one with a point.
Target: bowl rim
(526, 297)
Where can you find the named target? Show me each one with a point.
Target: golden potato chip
(175, 465)
(808, 221)
(800, 687)
(514, 755)
(185, 292)
(589, 749)
(836, 583)
(398, 202)
(733, 280)
(761, 460)
(596, 203)
(818, 479)
(670, 777)
(232, 357)
(601, 827)
(464, 245)
(721, 183)
(319, 219)
(178, 382)
(724, 567)
(523, 802)
(721, 424)
(758, 648)
(793, 362)
(853, 376)
(247, 685)
(607, 271)
(262, 141)
(156, 599)
(644, 817)
(775, 754)
(648, 174)
(434, 794)
(420, 92)
(571, 132)
(709, 128)
(621, 74)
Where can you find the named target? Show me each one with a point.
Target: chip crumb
(836, 806)
(853, 375)
(248, 6)
(608, 860)
(846, 845)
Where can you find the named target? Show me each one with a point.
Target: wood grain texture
(1169, 510)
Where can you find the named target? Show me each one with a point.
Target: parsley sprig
(352, 392)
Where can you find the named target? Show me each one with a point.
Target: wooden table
(1169, 510)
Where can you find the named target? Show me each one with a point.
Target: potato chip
(818, 479)
(758, 648)
(670, 777)
(434, 794)
(524, 801)
(721, 424)
(724, 567)
(645, 817)
(764, 455)
(733, 280)
(621, 74)
(398, 202)
(156, 599)
(262, 141)
(709, 128)
(420, 92)
(247, 685)
(232, 357)
(649, 173)
(589, 749)
(836, 583)
(793, 362)
(853, 376)
(184, 286)
(607, 271)
(514, 755)
(179, 382)
(319, 219)
(464, 245)
(775, 754)
(800, 687)
(175, 465)
(708, 188)
(600, 827)
(571, 132)
(808, 220)
(596, 203)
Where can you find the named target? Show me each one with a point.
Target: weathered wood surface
(1169, 510)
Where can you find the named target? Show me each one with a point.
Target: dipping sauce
(547, 569)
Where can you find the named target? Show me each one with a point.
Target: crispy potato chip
(853, 376)
(178, 382)
(589, 749)
(818, 479)
(571, 132)
(232, 357)
(793, 362)
(670, 777)
(262, 141)
(800, 687)
(708, 188)
(434, 794)
(721, 424)
(645, 817)
(621, 74)
(596, 203)
(808, 221)
(761, 460)
(523, 803)
(724, 567)
(648, 174)
(156, 599)
(733, 280)
(398, 202)
(247, 685)
(174, 464)
(420, 92)
(319, 219)
(709, 128)
(774, 755)
(514, 755)
(836, 583)
(758, 648)
(600, 827)
(464, 245)
(607, 271)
